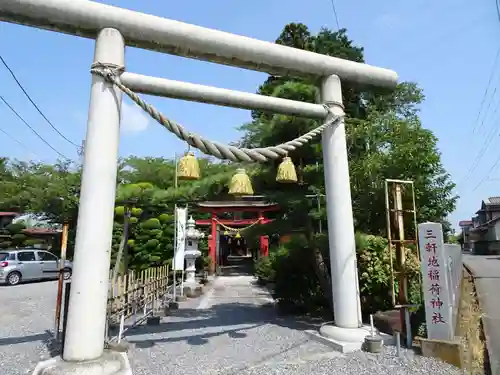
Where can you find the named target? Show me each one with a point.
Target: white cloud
(134, 119)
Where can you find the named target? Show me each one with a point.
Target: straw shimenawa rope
(220, 151)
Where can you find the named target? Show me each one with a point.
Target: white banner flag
(178, 261)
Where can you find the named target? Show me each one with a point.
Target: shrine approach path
(234, 329)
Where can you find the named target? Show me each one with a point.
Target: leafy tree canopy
(385, 139)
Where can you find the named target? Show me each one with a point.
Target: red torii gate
(216, 208)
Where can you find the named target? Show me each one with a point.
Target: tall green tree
(385, 139)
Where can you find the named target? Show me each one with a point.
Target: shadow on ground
(214, 320)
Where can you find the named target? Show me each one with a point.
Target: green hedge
(292, 270)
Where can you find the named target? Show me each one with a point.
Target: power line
(492, 131)
(34, 104)
(497, 161)
(14, 139)
(482, 151)
(483, 100)
(29, 126)
(335, 14)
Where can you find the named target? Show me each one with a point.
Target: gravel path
(26, 314)
(230, 331)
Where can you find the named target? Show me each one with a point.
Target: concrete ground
(26, 322)
(486, 272)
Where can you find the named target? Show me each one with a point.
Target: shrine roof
(238, 204)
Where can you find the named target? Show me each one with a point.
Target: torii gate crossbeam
(86, 18)
(114, 28)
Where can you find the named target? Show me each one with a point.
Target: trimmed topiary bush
(151, 224)
(119, 211)
(136, 211)
(165, 218)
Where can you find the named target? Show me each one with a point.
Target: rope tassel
(188, 167)
(240, 183)
(286, 172)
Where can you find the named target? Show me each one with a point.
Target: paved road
(26, 314)
(486, 272)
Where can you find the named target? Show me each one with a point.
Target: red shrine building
(226, 219)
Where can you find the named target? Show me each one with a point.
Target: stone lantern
(193, 236)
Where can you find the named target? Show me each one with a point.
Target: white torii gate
(113, 28)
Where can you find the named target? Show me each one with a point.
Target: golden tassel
(286, 171)
(240, 183)
(188, 167)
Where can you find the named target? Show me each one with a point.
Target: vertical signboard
(438, 307)
(180, 246)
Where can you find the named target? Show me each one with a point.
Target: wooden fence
(136, 295)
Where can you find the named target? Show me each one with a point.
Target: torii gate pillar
(344, 278)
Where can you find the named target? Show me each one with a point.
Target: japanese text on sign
(435, 285)
(433, 273)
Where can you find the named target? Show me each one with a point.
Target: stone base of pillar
(110, 363)
(346, 340)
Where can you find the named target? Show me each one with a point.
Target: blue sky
(447, 47)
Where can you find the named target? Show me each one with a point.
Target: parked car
(30, 264)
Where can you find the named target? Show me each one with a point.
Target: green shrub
(152, 243)
(264, 270)
(374, 270)
(293, 270)
(32, 242)
(119, 211)
(418, 324)
(144, 185)
(19, 238)
(136, 211)
(15, 228)
(164, 218)
(296, 285)
(151, 224)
